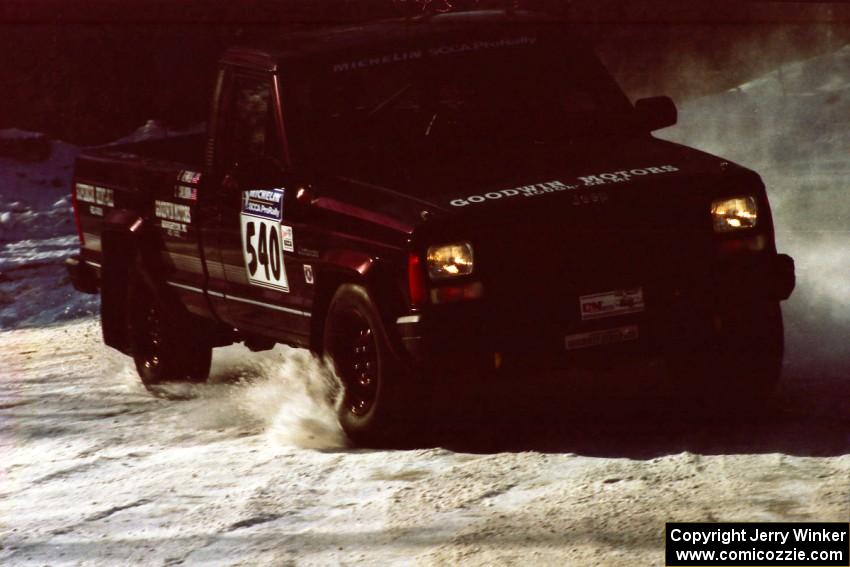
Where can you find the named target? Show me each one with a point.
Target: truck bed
(179, 152)
(133, 177)
(188, 149)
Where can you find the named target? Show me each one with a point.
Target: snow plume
(287, 393)
(792, 125)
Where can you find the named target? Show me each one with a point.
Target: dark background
(90, 71)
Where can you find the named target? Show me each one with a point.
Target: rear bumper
(479, 338)
(83, 275)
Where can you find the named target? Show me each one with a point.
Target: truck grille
(537, 263)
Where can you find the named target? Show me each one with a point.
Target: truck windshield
(473, 94)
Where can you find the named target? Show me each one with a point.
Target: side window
(251, 130)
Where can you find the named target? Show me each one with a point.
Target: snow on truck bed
(253, 469)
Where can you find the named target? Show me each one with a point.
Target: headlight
(450, 260)
(734, 214)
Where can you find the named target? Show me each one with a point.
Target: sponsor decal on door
(286, 238)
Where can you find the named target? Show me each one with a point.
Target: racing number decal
(261, 243)
(263, 253)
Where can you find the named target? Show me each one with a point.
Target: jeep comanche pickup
(431, 201)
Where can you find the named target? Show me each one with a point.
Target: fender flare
(345, 266)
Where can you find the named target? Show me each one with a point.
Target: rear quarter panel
(113, 187)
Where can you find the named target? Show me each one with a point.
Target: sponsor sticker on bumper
(611, 303)
(598, 338)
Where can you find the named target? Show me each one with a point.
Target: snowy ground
(252, 469)
(97, 470)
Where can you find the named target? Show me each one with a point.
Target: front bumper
(482, 338)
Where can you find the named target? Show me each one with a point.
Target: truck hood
(554, 225)
(442, 192)
(498, 180)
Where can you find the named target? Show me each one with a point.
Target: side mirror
(656, 112)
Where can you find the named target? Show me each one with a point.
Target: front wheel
(164, 345)
(374, 409)
(741, 371)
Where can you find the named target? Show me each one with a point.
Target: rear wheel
(375, 405)
(164, 344)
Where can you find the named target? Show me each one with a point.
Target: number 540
(267, 252)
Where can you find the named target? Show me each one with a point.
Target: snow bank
(37, 230)
(36, 234)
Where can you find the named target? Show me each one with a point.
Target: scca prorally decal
(481, 44)
(556, 186)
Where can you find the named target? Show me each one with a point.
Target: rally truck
(454, 199)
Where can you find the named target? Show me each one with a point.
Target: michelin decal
(558, 186)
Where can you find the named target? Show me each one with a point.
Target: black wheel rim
(355, 357)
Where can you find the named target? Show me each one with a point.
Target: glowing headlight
(450, 260)
(734, 214)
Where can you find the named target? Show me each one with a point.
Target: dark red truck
(431, 201)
